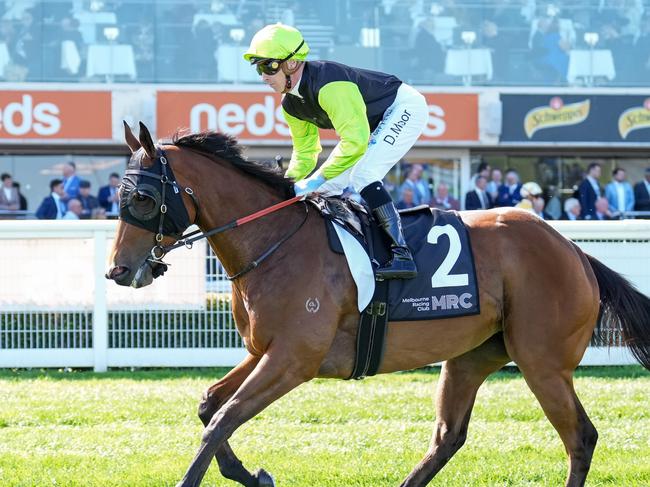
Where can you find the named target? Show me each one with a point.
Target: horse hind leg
(230, 466)
(460, 379)
(558, 399)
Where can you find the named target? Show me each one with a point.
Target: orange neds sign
(55, 115)
(258, 115)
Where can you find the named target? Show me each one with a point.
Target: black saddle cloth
(445, 286)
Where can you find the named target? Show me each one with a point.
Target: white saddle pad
(360, 266)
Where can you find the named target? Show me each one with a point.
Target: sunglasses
(268, 66)
(272, 66)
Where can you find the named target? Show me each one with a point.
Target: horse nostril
(116, 271)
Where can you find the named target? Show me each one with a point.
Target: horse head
(157, 204)
(153, 213)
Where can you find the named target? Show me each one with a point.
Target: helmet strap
(288, 84)
(287, 74)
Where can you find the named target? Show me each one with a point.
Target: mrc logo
(55, 114)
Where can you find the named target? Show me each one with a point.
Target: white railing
(58, 310)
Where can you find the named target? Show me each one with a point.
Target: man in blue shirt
(70, 181)
(619, 193)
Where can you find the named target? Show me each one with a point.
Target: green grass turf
(139, 428)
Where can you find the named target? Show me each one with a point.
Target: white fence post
(100, 310)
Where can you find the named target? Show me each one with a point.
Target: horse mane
(216, 145)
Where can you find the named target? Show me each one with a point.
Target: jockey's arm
(306, 147)
(343, 103)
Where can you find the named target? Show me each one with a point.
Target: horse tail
(624, 308)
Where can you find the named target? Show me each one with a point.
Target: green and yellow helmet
(277, 41)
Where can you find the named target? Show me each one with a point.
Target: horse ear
(131, 141)
(147, 142)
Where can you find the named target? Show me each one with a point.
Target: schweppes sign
(575, 118)
(556, 114)
(634, 118)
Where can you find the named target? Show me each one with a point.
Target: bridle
(174, 219)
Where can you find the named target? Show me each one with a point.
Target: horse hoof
(264, 479)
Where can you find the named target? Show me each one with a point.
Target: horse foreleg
(459, 381)
(274, 375)
(215, 397)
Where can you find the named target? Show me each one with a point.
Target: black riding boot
(401, 266)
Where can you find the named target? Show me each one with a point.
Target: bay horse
(544, 328)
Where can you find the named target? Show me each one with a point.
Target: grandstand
(132, 49)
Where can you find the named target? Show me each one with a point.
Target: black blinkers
(141, 202)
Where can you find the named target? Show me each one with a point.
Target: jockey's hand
(308, 185)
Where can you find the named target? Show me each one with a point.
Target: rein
(158, 251)
(188, 242)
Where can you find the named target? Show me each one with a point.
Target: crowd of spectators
(177, 41)
(492, 188)
(529, 40)
(70, 198)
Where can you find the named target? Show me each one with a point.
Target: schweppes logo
(634, 118)
(556, 114)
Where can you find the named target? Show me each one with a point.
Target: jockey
(376, 116)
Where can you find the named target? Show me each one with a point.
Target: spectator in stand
(478, 198)
(68, 31)
(9, 199)
(405, 199)
(109, 197)
(443, 200)
(510, 192)
(493, 39)
(642, 193)
(572, 210)
(21, 197)
(539, 205)
(28, 46)
(549, 51)
(619, 193)
(88, 201)
(620, 45)
(553, 204)
(74, 210)
(53, 207)
(428, 56)
(420, 187)
(602, 210)
(70, 181)
(494, 183)
(484, 170)
(589, 190)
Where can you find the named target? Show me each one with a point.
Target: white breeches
(401, 126)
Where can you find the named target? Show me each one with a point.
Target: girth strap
(371, 334)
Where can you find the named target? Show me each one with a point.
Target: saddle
(347, 212)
